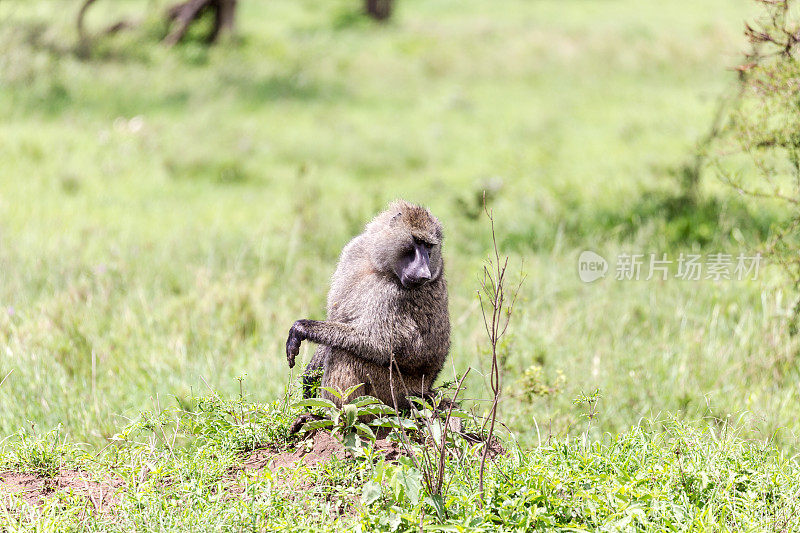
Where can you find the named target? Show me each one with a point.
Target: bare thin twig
(493, 290)
(442, 449)
(431, 468)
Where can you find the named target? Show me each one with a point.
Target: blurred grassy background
(166, 214)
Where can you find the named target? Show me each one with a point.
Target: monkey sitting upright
(388, 297)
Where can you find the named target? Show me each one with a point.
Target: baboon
(388, 297)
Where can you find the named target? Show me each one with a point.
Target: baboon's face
(405, 242)
(413, 265)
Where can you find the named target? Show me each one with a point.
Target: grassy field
(166, 214)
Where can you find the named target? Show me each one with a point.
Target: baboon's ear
(396, 218)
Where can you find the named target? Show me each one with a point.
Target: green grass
(656, 476)
(165, 215)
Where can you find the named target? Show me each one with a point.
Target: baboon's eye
(420, 242)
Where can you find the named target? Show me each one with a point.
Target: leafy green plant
(233, 424)
(345, 422)
(42, 454)
(239, 424)
(534, 384)
(403, 482)
(589, 403)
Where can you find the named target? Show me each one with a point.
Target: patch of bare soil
(315, 449)
(34, 489)
(320, 448)
(323, 446)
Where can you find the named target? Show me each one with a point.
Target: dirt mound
(321, 447)
(34, 488)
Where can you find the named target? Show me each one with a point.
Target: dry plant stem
(493, 289)
(775, 194)
(81, 15)
(403, 437)
(786, 43)
(432, 471)
(423, 465)
(496, 303)
(442, 449)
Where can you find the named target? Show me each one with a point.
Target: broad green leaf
(394, 522)
(405, 461)
(351, 442)
(332, 391)
(395, 484)
(436, 432)
(315, 402)
(350, 390)
(350, 414)
(370, 493)
(423, 403)
(437, 502)
(411, 481)
(316, 424)
(378, 409)
(363, 401)
(394, 422)
(365, 430)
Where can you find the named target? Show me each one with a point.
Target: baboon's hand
(297, 334)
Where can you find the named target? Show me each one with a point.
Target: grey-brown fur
(372, 315)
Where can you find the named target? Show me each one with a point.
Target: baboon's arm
(375, 344)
